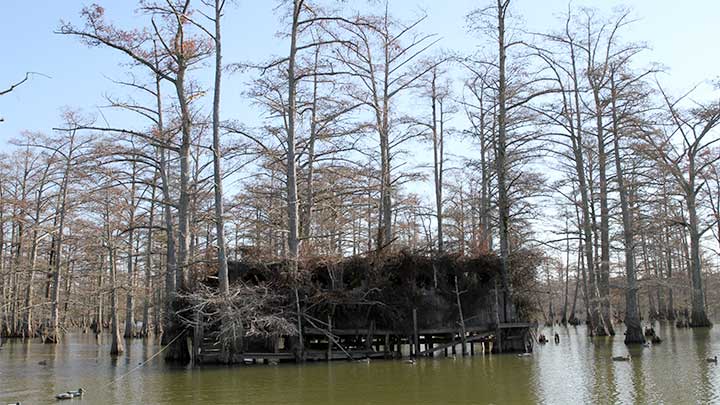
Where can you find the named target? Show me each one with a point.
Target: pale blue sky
(683, 36)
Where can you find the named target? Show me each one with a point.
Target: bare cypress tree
(683, 162)
(634, 332)
(216, 36)
(180, 50)
(381, 54)
(513, 94)
(69, 152)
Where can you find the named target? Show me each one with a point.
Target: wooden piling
(415, 332)
(197, 339)
(370, 336)
(330, 342)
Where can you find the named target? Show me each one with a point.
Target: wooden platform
(370, 343)
(382, 332)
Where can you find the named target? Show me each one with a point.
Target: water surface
(578, 370)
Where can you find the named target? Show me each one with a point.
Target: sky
(682, 37)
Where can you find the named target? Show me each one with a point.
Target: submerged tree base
(177, 351)
(634, 333)
(700, 320)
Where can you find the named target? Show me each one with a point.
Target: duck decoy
(365, 360)
(712, 359)
(70, 394)
(621, 358)
(524, 354)
(42, 363)
(410, 361)
(77, 393)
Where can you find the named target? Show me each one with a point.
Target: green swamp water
(578, 370)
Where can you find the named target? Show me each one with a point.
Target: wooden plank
(517, 325)
(381, 332)
(470, 339)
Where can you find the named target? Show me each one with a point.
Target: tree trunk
(604, 273)
(698, 316)
(437, 138)
(129, 300)
(178, 351)
(116, 344)
(290, 145)
(564, 318)
(503, 203)
(589, 282)
(217, 168)
(53, 335)
(149, 259)
(634, 332)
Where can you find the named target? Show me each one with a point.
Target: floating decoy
(712, 359)
(365, 360)
(621, 358)
(524, 354)
(42, 363)
(15, 403)
(77, 393)
(410, 361)
(70, 394)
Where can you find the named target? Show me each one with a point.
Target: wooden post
(498, 331)
(370, 336)
(415, 332)
(197, 338)
(330, 342)
(462, 332)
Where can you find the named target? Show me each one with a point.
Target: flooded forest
(378, 193)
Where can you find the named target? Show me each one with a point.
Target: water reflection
(578, 370)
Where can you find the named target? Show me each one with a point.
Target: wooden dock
(371, 343)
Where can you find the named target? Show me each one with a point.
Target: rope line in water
(146, 361)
